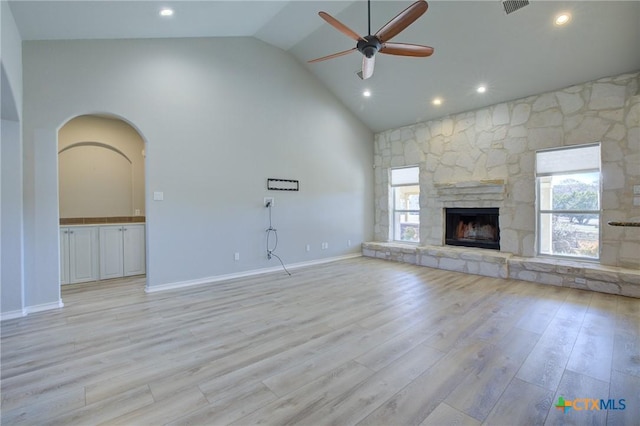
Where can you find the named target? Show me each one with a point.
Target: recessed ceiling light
(481, 89)
(366, 93)
(437, 101)
(166, 12)
(562, 19)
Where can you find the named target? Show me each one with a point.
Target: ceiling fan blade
(335, 55)
(406, 49)
(367, 67)
(402, 21)
(340, 26)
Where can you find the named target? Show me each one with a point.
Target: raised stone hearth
(562, 273)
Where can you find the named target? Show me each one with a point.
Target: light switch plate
(636, 189)
(158, 196)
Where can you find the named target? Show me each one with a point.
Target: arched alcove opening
(101, 195)
(96, 180)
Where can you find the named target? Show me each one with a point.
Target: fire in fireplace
(472, 227)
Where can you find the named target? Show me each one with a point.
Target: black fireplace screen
(472, 227)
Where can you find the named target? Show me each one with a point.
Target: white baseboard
(44, 307)
(31, 309)
(13, 314)
(244, 274)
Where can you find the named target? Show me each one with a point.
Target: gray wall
(11, 57)
(219, 117)
(11, 187)
(11, 218)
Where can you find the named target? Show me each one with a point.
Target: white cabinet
(134, 250)
(122, 250)
(78, 254)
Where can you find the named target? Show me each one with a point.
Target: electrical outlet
(269, 201)
(308, 248)
(325, 246)
(348, 243)
(236, 256)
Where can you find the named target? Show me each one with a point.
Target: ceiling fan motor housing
(369, 46)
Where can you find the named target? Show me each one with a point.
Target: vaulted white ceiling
(476, 42)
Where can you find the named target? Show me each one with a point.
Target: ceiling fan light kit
(379, 42)
(369, 46)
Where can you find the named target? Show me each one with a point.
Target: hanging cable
(270, 250)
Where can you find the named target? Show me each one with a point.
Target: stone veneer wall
(491, 153)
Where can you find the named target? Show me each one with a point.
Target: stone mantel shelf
(494, 189)
(473, 183)
(497, 184)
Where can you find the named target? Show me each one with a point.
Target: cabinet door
(111, 252)
(64, 256)
(134, 249)
(83, 254)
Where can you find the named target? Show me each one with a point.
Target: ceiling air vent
(513, 5)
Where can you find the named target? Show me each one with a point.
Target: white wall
(11, 255)
(101, 168)
(219, 117)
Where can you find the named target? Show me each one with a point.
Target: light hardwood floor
(360, 341)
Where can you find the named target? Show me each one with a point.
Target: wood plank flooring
(360, 341)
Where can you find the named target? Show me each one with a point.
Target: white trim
(218, 278)
(13, 314)
(43, 307)
(31, 310)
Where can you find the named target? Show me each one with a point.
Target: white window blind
(568, 160)
(405, 176)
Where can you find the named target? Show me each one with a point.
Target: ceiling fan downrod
(369, 16)
(370, 44)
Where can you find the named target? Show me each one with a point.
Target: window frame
(540, 212)
(394, 210)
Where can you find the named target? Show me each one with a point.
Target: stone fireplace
(469, 213)
(486, 159)
(472, 227)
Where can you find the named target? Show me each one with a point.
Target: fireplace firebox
(472, 227)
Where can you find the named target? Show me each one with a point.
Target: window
(568, 201)
(405, 193)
